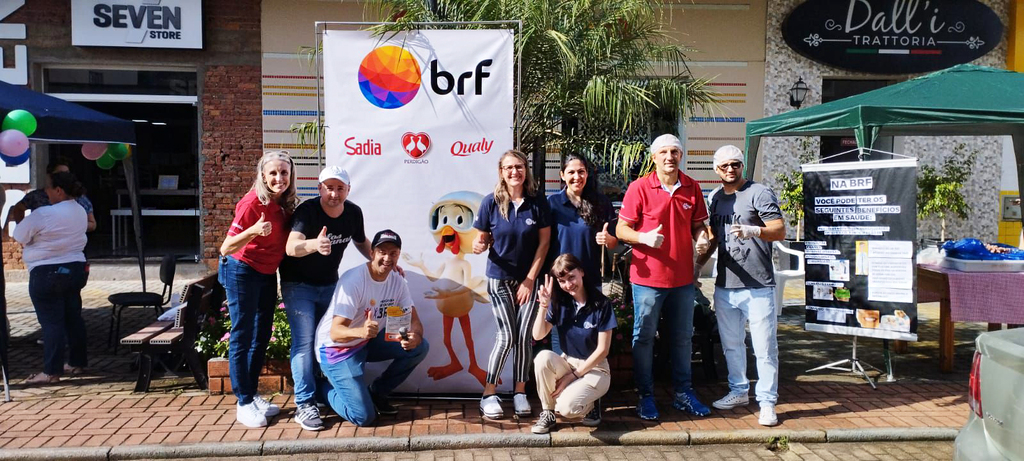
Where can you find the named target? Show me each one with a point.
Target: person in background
(321, 230)
(515, 224)
(54, 240)
(38, 198)
(571, 384)
(582, 223)
(662, 214)
(250, 255)
(356, 332)
(745, 219)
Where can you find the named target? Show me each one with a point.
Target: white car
(995, 427)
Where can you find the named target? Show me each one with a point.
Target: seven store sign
(137, 23)
(892, 36)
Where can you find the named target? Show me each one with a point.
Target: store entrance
(166, 162)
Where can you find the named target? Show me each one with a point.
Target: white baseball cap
(334, 172)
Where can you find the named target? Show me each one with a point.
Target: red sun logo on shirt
(416, 144)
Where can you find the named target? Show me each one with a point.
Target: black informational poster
(861, 276)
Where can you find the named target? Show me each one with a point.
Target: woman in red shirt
(249, 258)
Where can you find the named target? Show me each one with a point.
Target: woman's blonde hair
(502, 197)
(289, 198)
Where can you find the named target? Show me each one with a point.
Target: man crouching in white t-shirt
(355, 332)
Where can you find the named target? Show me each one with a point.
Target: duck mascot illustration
(455, 290)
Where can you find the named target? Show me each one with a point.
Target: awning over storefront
(65, 122)
(964, 100)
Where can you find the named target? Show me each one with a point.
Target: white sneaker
(768, 416)
(522, 405)
(490, 407)
(268, 409)
(732, 400)
(250, 416)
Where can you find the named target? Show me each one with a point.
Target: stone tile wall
(783, 67)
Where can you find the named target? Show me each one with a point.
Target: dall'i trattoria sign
(892, 36)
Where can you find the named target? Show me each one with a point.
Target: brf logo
(390, 77)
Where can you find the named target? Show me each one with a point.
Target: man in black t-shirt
(321, 230)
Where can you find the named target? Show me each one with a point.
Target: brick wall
(228, 68)
(232, 144)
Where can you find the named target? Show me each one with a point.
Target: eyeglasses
(510, 168)
(733, 165)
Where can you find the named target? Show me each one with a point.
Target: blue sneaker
(646, 409)
(687, 401)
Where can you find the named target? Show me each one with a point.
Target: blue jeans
(305, 305)
(733, 307)
(251, 297)
(56, 293)
(345, 390)
(648, 305)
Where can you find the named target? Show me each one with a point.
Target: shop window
(166, 159)
(109, 81)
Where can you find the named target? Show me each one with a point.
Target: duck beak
(449, 238)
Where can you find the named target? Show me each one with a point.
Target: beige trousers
(578, 398)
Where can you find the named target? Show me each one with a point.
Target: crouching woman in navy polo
(571, 384)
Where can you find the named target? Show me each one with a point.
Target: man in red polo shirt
(662, 214)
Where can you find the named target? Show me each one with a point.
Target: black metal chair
(120, 301)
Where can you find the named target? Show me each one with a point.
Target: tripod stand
(856, 366)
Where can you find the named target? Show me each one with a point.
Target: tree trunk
(942, 234)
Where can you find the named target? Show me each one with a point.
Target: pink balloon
(13, 143)
(93, 150)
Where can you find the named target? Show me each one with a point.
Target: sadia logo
(389, 77)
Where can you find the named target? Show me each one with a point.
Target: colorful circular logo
(389, 77)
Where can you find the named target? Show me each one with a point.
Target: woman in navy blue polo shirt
(514, 223)
(571, 384)
(583, 222)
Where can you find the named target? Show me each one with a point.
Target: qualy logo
(416, 145)
(464, 149)
(389, 77)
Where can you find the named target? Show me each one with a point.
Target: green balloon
(106, 161)
(117, 151)
(20, 120)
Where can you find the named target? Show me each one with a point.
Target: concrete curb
(198, 450)
(459, 442)
(755, 436)
(892, 435)
(44, 454)
(346, 445)
(469, 441)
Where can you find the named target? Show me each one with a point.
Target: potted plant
(212, 343)
(791, 195)
(791, 188)
(940, 191)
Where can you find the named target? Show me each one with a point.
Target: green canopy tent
(964, 100)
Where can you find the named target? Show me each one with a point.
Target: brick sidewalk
(99, 409)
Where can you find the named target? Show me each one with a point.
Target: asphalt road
(874, 451)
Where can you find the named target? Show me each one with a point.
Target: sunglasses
(733, 165)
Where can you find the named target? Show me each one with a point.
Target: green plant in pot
(940, 191)
(791, 188)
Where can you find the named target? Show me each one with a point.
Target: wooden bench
(199, 300)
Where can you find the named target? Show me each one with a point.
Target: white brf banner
(420, 120)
